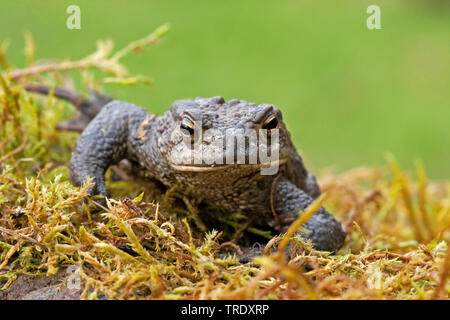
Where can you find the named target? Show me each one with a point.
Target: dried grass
(396, 248)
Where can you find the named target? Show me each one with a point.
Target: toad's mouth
(216, 167)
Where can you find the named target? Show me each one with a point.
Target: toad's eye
(270, 123)
(187, 127)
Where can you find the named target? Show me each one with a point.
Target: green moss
(137, 248)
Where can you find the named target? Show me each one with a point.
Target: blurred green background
(348, 94)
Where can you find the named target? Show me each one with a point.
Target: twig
(193, 214)
(422, 197)
(84, 105)
(139, 44)
(357, 209)
(99, 205)
(16, 234)
(420, 232)
(241, 230)
(98, 60)
(17, 150)
(233, 245)
(54, 67)
(444, 275)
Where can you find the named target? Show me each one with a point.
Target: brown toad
(197, 146)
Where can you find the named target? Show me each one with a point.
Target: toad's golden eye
(187, 127)
(270, 123)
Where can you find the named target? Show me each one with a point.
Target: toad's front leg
(325, 232)
(105, 141)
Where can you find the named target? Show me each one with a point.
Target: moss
(139, 248)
